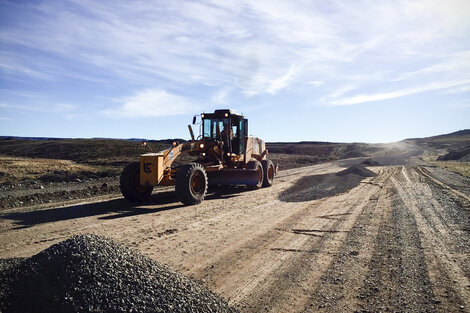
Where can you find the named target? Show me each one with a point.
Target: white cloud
(397, 93)
(235, 44)
(459, 89)
(337, 93)
(151, 103)
(39, 106)
(14, 69)
(315, 83)
(456, 63)
(220, 96)
(281, 82)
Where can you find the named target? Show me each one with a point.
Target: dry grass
(17, 168)
(462, 168)
(430, 157)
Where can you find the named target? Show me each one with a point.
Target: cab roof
(222, 114)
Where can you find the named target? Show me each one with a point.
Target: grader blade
(233, 177)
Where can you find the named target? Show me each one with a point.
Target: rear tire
(255, 165)
(130, 185)
(191, 183)
(268, 170)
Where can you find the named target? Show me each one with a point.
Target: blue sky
(344, 71)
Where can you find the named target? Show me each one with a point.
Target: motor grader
(223, 154)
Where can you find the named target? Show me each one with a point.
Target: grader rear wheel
(268, 170)
(256, 165)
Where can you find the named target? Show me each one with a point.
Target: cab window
(210, 127)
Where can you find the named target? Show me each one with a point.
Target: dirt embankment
(40, 171)
(461, 154)
(36, 193)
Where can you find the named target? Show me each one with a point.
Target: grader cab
(223, 154)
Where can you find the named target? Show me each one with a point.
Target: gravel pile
(357, 170)
(327, 185)
(89, 273)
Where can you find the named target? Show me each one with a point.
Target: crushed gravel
(357, 170)
(370, 162)
(451, 179)
(90, 273)
(397, 279)
(326, 185)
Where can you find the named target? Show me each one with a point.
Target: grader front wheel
(191, 183)
(130, 185)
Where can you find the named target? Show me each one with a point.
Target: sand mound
(89, 273)
(357, 170)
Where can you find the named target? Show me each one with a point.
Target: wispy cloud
(220, 96)
(315, 83)
(281, 82)
(455, 64)
(39, 106)
(241, 45)
(458, 89)
(397, 93)
(151, 103)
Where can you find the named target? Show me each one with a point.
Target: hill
(453, 140)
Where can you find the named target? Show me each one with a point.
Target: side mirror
(194, 119)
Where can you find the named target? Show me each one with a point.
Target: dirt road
(398, 241)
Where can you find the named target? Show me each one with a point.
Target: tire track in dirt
(443, 185)
(448, 215)
(397, 278)
(338, 288)
(289, 287)
(445, 265)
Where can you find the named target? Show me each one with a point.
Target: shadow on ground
(111, 209)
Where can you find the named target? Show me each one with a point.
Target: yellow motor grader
(223, 153)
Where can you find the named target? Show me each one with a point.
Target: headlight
(201, 146)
